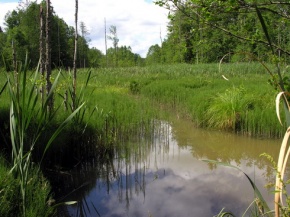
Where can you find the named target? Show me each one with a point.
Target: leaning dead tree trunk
(75, 59)
(48, 57)
(41, 52)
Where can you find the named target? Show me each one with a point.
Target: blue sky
(139, 22)
(5, 1)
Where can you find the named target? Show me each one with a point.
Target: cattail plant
(26, 110)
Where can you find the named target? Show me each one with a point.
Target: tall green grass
(191, 91)
(200, 93)
(29, 118)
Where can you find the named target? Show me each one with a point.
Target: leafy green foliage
(204, 31)
(123, 56)
(25, 35)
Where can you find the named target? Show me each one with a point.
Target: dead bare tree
(114, 38)
(41, 51)
(48, 56)
(83, 49)
(106, 42)
(75, 58)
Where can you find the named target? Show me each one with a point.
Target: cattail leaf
(282, 160)
(278, 98)
(88, 78)
(3, 88)
(60, 128)
(263, 24)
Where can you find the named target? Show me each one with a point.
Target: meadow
(120, 103)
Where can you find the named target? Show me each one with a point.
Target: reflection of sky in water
(171, 182)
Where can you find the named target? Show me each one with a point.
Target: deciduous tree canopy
(204, 31)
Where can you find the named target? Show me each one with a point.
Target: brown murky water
(165, 175)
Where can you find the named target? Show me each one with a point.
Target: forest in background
(205, 31)
(192, 37)
(22, 27)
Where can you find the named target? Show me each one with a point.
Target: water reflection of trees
(123, 170)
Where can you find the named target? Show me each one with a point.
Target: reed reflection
(163, 175)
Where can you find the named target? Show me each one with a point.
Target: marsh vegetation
(116, 113)
(121, 104)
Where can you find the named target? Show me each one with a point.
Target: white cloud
(138, 22)
(4, 8)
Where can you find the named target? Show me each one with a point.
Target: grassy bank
(120, 102)
(118, 98)
(245, 103)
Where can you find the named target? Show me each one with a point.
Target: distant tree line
(198, 32)
(22, 33)
(204, 31)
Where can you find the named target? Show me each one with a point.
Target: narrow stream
(165, 176)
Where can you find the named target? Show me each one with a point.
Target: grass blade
(280, 165)
(264, 28)
(278, 98)
(59, 129)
